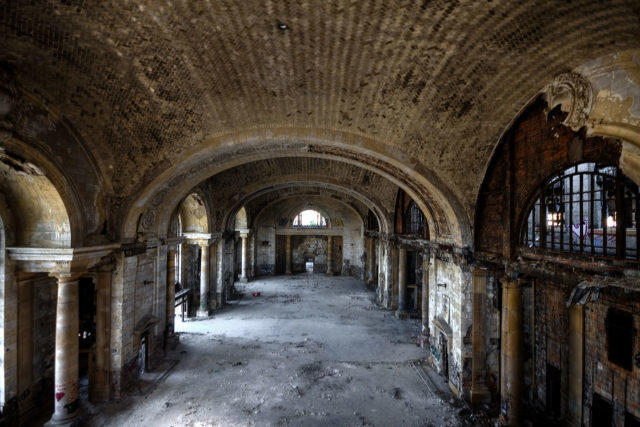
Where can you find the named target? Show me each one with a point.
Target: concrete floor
(310, 350)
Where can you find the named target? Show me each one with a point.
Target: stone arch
(241, 220)
(35, 207)
(432, 195)
(193, 214)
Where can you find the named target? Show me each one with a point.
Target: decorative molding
(575, 96)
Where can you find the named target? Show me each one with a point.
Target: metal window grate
(586, 209)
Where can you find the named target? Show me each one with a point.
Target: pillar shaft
(394, 277)
(402, 282)
(99, 385)
(243, 272)
(425, 295)
(288, 256)
(203, 311)
(329, 254)
(171, 292)
(371, 272)
(66, 359)
(511, 353)
(479, 391)
(576, 337)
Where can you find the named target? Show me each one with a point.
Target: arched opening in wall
(409, 219)
(589, 209)
(309, 219)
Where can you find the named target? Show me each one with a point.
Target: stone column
(425, 296)
(387, 296)
(100, 386)
(203, 310)
(511, 361)
(330, 255)
(371, 273)
(288, 256)
(394, 277)
(401, 312)
(380, 287)
(576, 337)
(243, 271)
(479, 391)
(66, 360)
(171, 293)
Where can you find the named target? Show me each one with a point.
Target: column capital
(510, 283)
(63, 272)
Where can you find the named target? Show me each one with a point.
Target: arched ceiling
(256, 183)
(429, 85)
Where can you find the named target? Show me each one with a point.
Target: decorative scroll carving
(575, 96)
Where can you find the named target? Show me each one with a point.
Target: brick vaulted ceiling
(436, 82)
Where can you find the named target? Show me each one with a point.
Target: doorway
(554, 398)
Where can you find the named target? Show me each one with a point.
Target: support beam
(288, 256)
(511, 360)
(371, 267)
(401, 312)
(100, 386)
(576, 346)
(425, 298)
(66, 403)
(330, 255)
(203, 310)
(479, 391)
(171, 293)
(243, 271)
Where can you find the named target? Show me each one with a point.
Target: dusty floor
(310, 350)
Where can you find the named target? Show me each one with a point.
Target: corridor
(308, 350)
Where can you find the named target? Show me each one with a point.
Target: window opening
(309, 219)
(619, 326)
(414, 220)
(586, 209)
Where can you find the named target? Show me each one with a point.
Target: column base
(203, 313)
(66, 420)
(480, 394)
(243, 279)
(329, 272)
(402, 314)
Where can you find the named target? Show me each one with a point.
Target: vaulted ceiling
(421, 91)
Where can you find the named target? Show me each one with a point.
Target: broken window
(309, 219)
(619, 338)
(587, 209)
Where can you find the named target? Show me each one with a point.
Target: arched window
(309, 219)
(587, 209)
(414, 220)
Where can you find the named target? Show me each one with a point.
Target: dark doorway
(444, 351)
(281, 254)
(601, 411)
(554, 397)
(142, 354)
(87, 323)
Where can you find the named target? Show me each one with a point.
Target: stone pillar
(288, 256)
(380, 287)
(576, 337)
(100, 384)
(330, 255)
(511, 361)
(387, 296)
(67, 345)
(394, 277)
(25, 333)
(425, 297)
(203, 310)
(371, 268)
(243, 271)
(171, 293)
(479, 391)
(401, 313)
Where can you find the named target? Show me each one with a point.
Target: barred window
(587, 209)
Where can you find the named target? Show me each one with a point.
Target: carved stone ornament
(575, 96)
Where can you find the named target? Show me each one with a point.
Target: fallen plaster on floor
(311, 350)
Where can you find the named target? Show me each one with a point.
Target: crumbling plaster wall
(450, 297)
